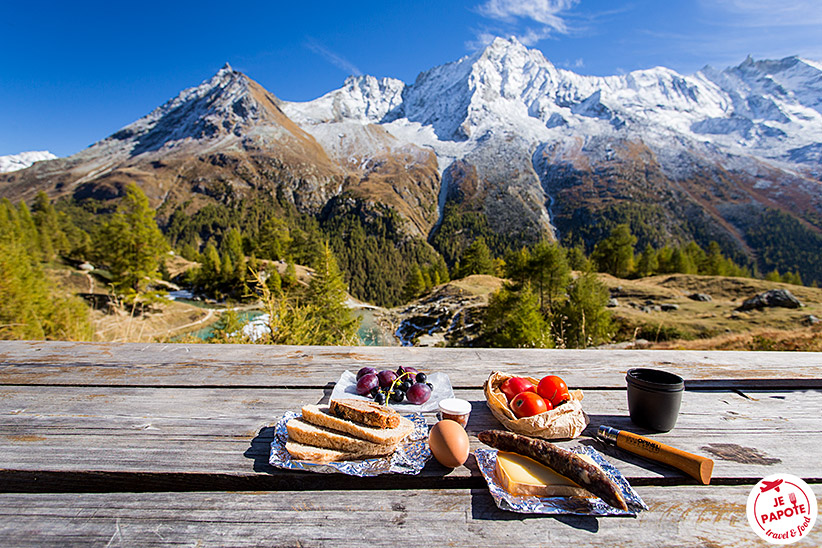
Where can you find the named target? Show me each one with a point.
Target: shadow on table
(622, 422)
(484, 508)
(260, 449)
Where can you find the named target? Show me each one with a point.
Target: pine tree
(577, 259)
(50, 235)
(442, 269)
(290, 275)
(715, 261)
(327, 297)
(476, 259)
(647, 264)
(682, 262)
(584, 319)
(664, 260)
(415, 285)
(232, 248)
(513, 320)
(133, 244)
(228, 328)
(549, 272)
(31, 306)
(517, 266)
(615, 254)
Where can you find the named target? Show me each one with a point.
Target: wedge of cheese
(520, 475)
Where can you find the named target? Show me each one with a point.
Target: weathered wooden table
(150, 444)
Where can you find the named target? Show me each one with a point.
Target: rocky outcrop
(774, 297)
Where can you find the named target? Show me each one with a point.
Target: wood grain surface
(133, 364)
(686, 516)
(156, 445)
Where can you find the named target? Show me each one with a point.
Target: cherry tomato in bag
(528, 404)
(513, 386)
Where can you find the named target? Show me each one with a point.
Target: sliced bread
(300, 451)
(319, 436)
(368, 413)
(320, 415)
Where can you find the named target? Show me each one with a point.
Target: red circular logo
(781, 509)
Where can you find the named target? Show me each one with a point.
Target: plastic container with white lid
(455, 409)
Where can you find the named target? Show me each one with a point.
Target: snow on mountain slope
(767, 109)
(361, 98)
(14, 162)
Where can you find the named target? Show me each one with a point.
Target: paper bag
(564, 422)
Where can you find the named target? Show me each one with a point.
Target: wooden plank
(113, 438)
(133, 364)
(683, 516)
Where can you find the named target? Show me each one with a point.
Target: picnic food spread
(524, 465)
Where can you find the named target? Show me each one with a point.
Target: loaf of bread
(368, 413)
(321, 415)
(345, 430)
(304, 432)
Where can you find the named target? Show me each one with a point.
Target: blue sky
(75, 72)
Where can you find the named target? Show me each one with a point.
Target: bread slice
(309, 434)
(368, 413)
(322, 416)
(300, 451)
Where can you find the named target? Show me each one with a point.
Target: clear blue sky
(75, 72)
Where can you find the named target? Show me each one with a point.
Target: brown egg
(449, 443)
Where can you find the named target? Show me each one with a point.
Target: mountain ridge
(500, 143)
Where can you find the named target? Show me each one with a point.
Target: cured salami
(562, 461)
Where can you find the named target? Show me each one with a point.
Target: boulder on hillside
(772, 297)
(701, 297)
(810, 319)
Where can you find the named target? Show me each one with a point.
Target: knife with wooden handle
(697, 467)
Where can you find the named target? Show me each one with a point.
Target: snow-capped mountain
(768, 109)
(500, 143)
(15, 162)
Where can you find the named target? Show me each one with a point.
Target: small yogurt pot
(455, 409)
(654, 398)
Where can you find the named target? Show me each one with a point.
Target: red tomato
(528, 404)
(553, 389)
(513, 386)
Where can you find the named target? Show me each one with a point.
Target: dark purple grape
(422, 377)
(380, 398)
(365, 371)
(412, 372)
(366, 383)
(386, 378)
(405, 385)
(397, 396)
(418, 394)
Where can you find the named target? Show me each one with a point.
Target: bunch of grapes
(405, 383)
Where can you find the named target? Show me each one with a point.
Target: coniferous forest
(551, 297)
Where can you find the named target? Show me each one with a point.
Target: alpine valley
(500, 143)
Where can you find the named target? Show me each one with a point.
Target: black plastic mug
(654, 398)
